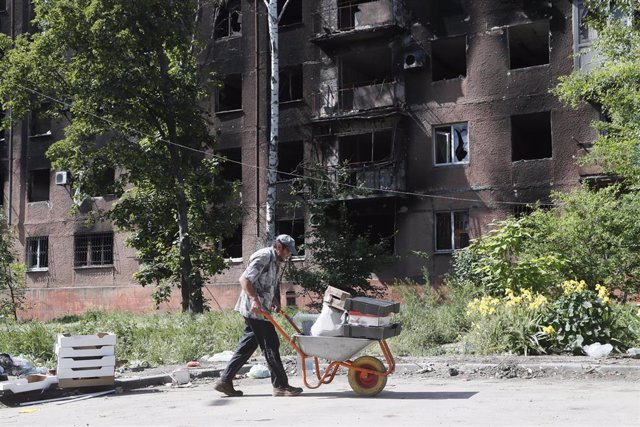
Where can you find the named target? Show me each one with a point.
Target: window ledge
(444, 252)
(41, 135)
(230, 37)
(291, 26)
(39, 202)
(37, 270)
(440, 165)
(233, 260)
(510, 70)
(298, 258)
(291, 102)
(544, 159)
(222, 113)
(91, 267)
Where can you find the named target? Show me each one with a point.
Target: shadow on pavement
(410, 395)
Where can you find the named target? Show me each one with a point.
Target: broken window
(37, 257)
(39, 183)
(104, 181)
(294, 228)
(231, 168)
(230, 94)
(366, 67)
(229, 20)
(39, 125)
(370, 147)
(232, 245)
(292, 14)
(374, 220)
(291, 84)
(529, 44)
(449, 58)
(531, 136)
(583, 38)
(364, 13)
(447, 17)
(93, 249)
(451, 144)
(452, 230)
(290, 158)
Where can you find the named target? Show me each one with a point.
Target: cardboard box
(85, 382)
(336, 298)
(362, 319)
(107, 350)
(91, 372)
(86, 362)
(377, 307)
(97, 340)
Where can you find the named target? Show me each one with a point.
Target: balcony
(357, 20)
(374, 98)
(384, 176)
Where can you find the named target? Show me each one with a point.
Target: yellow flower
(549, 330)
(571, 286)
(538, 301)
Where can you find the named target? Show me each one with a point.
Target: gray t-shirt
(262, 272)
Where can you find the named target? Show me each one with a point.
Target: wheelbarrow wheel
(363, 383)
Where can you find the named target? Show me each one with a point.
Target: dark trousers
(258, 333)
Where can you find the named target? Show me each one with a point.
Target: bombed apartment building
(441, 109)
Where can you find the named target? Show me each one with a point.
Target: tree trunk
(272, 9)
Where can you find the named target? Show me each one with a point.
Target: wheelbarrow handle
(291, 322)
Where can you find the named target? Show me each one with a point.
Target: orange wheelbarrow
(367, 375)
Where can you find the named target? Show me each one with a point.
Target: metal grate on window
(37, 256)
(93, 250)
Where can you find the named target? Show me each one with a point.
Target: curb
(407, 368)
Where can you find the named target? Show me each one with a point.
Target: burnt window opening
(448, 17)
(232, 245)
(93, 250)
(231, 168)
(449, 58)
(531, 136)
(291, 84)
(290, 158)
(39, 184)
(366, 148)
(451, 144)
(230, 94)
(522, 210)
(229, 20)
(529, 44)
(452, 230)
(39, 124)
(3, 5)
(347, 13)
(292, 14)
(295, 228)
(366, 68)
(290, 298)
(37, 256)
(375, 221)
(105, 180)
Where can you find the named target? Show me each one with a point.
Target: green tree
(613, 85)
(337, 254)
(131, 82)
(597, 233)
(12, 284)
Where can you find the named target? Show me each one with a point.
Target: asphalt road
(406, 401)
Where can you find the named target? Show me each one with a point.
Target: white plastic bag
(329, 323)
(258, 371)
(598, 350)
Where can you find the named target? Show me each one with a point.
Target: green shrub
(583, 316)
(512, 324)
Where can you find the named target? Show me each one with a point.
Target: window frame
(230, 8)
(452, 230)
(450, 144)
(30, 185)
(88, 261)
(42, 255)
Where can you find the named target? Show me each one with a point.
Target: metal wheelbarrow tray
(367, 375)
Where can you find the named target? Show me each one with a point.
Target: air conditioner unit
(414, 59)
(63, 178)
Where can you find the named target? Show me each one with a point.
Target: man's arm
(248, 289)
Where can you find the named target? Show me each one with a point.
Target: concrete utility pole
(272, 172)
